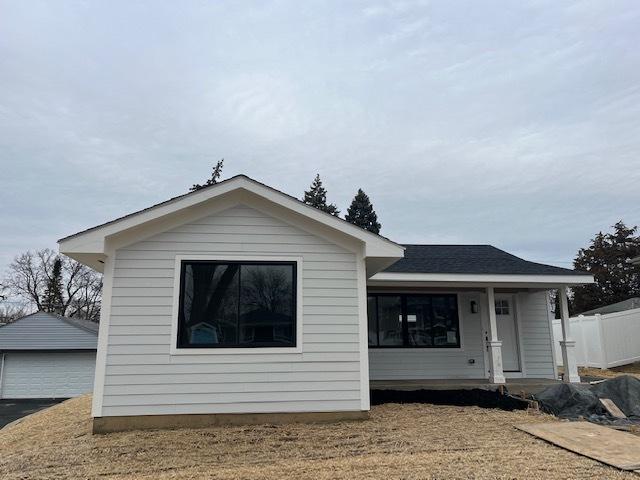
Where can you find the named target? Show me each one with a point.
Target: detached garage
(47, 356)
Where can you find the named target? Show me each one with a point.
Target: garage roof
(46, 331)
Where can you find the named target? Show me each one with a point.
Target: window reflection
(227, 304)
(429, 320)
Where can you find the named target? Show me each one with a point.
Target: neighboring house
(239, 303)
(44, 355)
(628, 304)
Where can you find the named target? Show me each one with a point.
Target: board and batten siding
(454, 363)
(143, 378)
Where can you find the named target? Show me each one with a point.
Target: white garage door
(47, 374)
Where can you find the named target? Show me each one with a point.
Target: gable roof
(85, 245)
(470, 259)
(46, 331)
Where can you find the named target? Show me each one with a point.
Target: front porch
(471, 335)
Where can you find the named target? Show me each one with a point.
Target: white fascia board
(93, 241)
(490, 279)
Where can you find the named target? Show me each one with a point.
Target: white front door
(508, 333)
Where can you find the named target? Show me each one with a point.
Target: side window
(237, 304)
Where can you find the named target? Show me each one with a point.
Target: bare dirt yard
(412, 441)
(632, 369)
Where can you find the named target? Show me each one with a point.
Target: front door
(508, 333)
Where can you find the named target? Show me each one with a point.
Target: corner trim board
(103, 335)
(365, 402)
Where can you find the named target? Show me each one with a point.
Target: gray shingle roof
(470, 259)
(45, 331)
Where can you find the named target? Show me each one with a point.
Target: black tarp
(623, 391)
(475, 397)
(575, 401)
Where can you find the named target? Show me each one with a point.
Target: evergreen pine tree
(316, 196)
(53, 301)
(215, 175)
(607, 259)
(361, 213)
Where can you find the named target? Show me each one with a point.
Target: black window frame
(405, 323)
(294, 304)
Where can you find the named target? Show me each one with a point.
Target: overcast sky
(510, 123)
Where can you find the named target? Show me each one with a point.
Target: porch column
(494, 346)
(567, 345)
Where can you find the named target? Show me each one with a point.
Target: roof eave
(482, 279)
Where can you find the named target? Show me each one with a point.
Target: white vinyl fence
(603, 341)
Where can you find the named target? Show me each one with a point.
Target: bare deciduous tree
(10, 312)
(32, 272)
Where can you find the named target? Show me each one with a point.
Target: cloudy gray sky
(510, 123)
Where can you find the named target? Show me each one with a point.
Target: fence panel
(621, 340)
(603, 341)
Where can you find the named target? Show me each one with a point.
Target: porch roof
(474, 264)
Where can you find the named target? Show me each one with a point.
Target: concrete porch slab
(530, 386)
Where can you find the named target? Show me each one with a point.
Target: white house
(239, 303)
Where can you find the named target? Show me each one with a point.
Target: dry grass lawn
(633, 369)
(414, 441)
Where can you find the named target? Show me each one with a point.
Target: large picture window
(226, 304)
(427, 321)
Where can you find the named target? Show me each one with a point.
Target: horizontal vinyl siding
(536, 336)
(437, 363)
(143, 378)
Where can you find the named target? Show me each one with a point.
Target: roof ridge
(80, 323)
(449, 245)
(214, 185)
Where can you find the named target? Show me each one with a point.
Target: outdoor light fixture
(474, 306)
